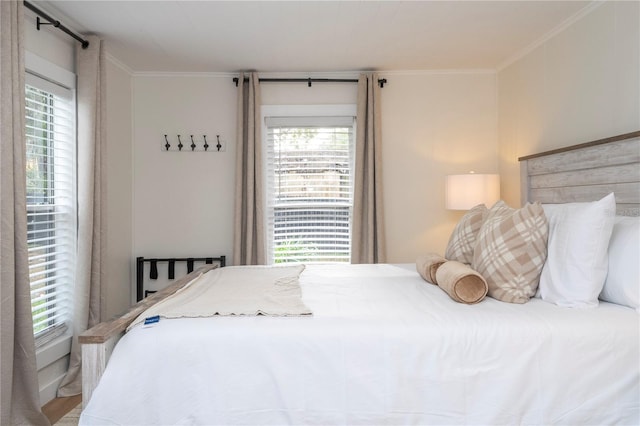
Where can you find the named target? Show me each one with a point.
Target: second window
(309, 163)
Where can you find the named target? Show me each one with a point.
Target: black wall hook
(195, 145)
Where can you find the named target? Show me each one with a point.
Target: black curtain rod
(55, 23)
(309, 81)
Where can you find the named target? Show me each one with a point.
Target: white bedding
(382, 347)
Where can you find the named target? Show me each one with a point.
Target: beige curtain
(367, 239)
(92, 233)
(19, 398)
(249, 239)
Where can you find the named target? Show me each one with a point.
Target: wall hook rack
(195, 145)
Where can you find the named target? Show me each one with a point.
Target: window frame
(54, 79)
(276, 112)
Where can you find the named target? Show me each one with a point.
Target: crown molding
(298, 74)
(437, 71)
(117, 62)
(168, 74)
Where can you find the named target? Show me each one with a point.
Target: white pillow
(622, 285)
(576, 266)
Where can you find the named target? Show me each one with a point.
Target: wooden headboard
(586, 172)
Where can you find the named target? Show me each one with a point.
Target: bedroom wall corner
(119, 188)
(579, 85)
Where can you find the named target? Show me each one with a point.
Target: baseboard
(50, 390)
(53, 361)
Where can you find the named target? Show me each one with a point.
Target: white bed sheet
(382, 347)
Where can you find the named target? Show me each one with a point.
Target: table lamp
(466, 191)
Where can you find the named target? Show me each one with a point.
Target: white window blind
(51, 205)
(309, 188)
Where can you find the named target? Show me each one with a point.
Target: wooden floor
(58, 407)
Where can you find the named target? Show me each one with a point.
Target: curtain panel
(19, 398)
(249, 232)
(92, 192)
(367, 235)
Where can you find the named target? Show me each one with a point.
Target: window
(309, 188)
(51, 204)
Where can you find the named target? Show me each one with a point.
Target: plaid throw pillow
(463, 238)
(511, 250)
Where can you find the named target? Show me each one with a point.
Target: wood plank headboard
(586, 172)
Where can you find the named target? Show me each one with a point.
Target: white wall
(317, 94)
(183, 201)
(433, 124)
(581, 85)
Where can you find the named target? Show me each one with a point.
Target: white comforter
(382, 347)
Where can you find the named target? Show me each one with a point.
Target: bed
(384, 347)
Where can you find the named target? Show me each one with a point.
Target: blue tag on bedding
(151, 320)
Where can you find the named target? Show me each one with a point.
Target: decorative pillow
(622, 285)
(576, 268)
(511, 250)
(463, 238)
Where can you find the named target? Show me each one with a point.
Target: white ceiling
(313, 36)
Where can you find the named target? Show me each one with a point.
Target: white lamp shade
(466, 191)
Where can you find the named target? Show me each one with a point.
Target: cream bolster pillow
(427, 266)
(462, 283)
